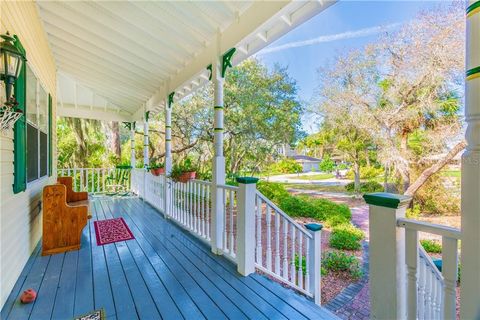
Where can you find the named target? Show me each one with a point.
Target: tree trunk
(356, 172)
(80, 153)
(115, 139)
(427, 173)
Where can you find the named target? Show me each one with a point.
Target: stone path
(354, 301)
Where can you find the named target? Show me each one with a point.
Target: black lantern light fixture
(11, 60)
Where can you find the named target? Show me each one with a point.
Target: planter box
(157, 171)
(186, 176)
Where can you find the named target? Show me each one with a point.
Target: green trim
(247, 180)
(314, 227)
(218, 107)
(170, 99)
(388, 200)
(147, 115)
(473, 8)
(50, 140)
(167, 126)
(217, 129)
(168, 139)
(210, 68)
(227, 60)
(127, 125)
(473, 73)
(20, 128)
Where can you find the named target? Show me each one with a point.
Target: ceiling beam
(85, 112)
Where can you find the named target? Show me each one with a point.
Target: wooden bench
(62, 223)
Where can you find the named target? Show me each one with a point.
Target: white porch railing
(402, 275)
(280, 247)
(431, 294)
(91, 180)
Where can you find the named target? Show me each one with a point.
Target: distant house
(308, 163)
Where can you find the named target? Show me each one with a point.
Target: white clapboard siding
(20, 217)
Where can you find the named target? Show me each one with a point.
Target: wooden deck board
(164, 273)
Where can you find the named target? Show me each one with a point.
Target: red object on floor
(28, 296)
(112, 230)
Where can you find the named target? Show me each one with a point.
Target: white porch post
(387, 255)
(146, 161)
(133, 159)
(246, 225)
(315, 263)
(470, 292)
(218, 174)
(168, 152)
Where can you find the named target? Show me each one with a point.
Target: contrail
(332, 37)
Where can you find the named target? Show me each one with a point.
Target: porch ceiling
(132, 53)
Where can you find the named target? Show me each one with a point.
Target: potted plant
(157, 168)
(183, 171)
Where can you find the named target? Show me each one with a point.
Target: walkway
(164, 273)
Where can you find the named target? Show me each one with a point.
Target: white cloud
(332, 37)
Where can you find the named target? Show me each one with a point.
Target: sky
(344, 26)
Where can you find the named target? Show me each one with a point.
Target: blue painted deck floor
(164, 273)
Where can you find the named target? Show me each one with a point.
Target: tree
(402, 92)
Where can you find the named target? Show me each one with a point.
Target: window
(37, 128)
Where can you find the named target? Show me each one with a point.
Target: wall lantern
(11, 60)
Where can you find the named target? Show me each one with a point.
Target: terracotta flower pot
(186, 176)
(157, 171)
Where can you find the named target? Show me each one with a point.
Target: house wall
(20, 214)
(310, 166)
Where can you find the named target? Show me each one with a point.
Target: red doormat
(112, 230)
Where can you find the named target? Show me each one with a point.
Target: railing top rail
(424, 255)
(283, 214)
(201, 181)
(437, 229)
(83, 168)
(228, 187)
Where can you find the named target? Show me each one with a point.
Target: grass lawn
(451, 173)
(320, 176)
(314, 187)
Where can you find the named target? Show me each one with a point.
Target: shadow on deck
(164, 273)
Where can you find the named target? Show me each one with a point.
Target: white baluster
(307, 265)
(75, 179)
(269, 238)
(428, 294)
(277, 242)
(207, 210)
(411, 257)
(421, 289)
(225, 217)
(292, 262)
(300, 259)
(285, 249)
(93, 179)
(259, 231)
(450, 274)
(232, 199)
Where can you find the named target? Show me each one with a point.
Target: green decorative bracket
(247, 180)
(147, 115)
(209, 68)
(388, 200)
(473, 8)
(128, 125)
(170, 99)
(227, 60)
(473, 73)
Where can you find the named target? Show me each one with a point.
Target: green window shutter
(19, 130)
(50, 147)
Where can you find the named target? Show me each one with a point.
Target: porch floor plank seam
(164, 273)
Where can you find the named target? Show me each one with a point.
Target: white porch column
(146, 161)
(246, 225)
(218, 173)
(470, 292)
(133, 159)
(168, 153)
(315, 263)
(387, 255)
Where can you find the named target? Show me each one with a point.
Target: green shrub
(366, 173)
(286, 165)
(273, 191)
(346, 237)
(365, 187)
(413, 212)
(431, 246)
(336, 261)
(327, 164)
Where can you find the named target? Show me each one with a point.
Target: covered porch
(164, 273)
